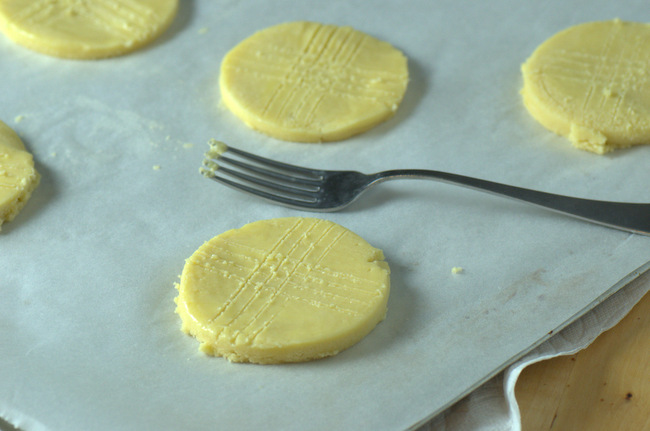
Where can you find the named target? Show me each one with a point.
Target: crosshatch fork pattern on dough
(310, 82)
(589, 83)
(85, 29)
(289, 287)
(120, 18)
(606, 84)
(335, 47)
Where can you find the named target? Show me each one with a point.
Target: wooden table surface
(605, 387)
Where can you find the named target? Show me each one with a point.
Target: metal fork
(321, 190)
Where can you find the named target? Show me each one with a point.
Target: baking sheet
(88, 334)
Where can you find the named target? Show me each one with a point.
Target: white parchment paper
(88, 334)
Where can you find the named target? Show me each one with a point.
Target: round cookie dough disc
(18, 178)
(591, 83)
(85, 29)
(309, 82)
(282, 290)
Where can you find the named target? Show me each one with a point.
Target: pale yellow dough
(18, 178)
(85, 29)
(310, 82)
(591, 83)
(283, 290)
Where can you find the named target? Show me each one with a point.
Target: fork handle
(631, 217)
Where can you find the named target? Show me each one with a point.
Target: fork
(327, 191)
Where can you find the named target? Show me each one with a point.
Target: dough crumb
(457, 270)
(209, 168)
(217, 148)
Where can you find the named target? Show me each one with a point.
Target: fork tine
(274, 186)
(294, 180)
(257, 180)
(298, 203)
(308, 173)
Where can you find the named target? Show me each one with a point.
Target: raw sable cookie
(18, 178)
(590, 84)
(282, 290)
(310, 82)
(85, 29)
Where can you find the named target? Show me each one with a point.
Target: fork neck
(402, 174)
